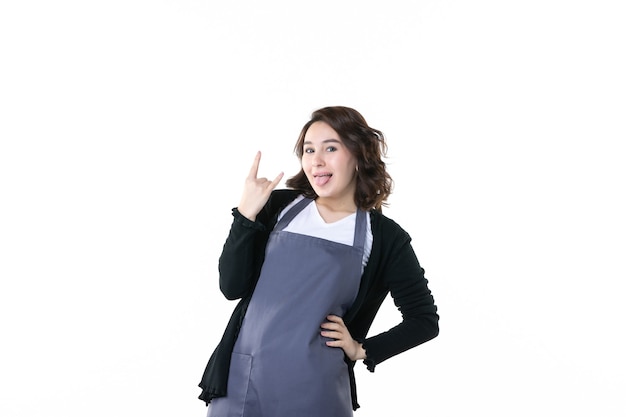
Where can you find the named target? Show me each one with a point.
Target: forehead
(320, 131)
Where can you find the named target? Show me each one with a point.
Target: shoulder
(386, 228)
(278, 200)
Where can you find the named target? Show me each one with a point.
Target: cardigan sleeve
(244, 251)
(404, 278)
(237, 262)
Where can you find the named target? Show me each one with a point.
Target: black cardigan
(392, 268)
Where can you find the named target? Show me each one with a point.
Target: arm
(404, 277)
(237, 263)
(243, 250)
(394, 268)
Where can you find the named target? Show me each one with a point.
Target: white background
(128, 127)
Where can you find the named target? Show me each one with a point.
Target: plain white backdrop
(127, 129)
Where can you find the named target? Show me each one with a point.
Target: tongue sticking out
(322, 179)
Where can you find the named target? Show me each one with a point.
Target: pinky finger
(276, 180)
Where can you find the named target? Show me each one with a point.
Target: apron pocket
(238, 380)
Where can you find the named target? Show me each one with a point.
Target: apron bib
(280, 365)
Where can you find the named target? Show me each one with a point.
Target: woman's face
(328, 165)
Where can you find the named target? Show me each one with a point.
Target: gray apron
(280, 365)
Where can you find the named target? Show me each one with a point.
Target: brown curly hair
(365, 143)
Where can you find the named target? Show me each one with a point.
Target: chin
(320, 193)
(324, 194)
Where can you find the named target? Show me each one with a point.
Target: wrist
(246, 214)
(360, 352)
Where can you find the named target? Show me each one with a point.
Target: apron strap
(293, 212)
(360, 230)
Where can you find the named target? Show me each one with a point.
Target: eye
(308, 150)
(331, 149)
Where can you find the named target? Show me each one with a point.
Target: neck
(332, 212)
(337, 206)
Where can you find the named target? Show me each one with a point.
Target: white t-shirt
(309, 222)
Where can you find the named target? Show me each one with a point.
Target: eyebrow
(308, 142)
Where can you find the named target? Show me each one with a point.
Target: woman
(312, 265)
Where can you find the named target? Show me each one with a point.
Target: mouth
(322, 178)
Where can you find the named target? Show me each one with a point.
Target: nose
(318, 161)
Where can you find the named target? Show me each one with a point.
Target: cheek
(350, 164)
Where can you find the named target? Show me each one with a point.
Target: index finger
(254, 170)
(334, 318)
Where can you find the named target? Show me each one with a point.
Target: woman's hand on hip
(336, 329)
(256, 191)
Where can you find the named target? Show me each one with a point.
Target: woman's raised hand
(256, 191)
